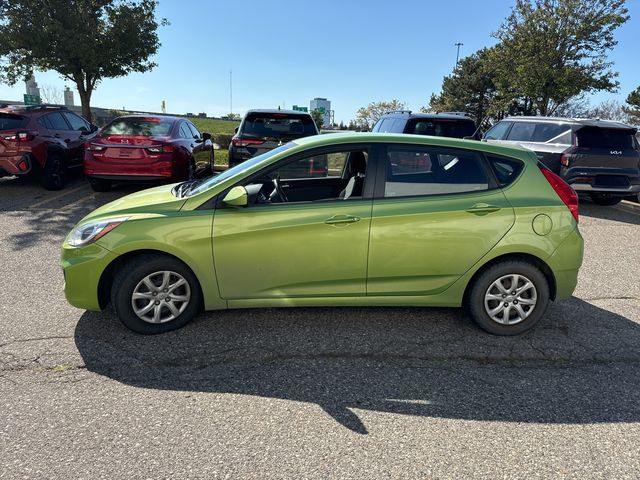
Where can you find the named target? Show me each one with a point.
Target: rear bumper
(615, 181)
(156, 171)
(16, 164)
(565, 263)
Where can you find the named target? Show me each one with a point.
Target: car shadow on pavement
(578, 366)
(618, 213)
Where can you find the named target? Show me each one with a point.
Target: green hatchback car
(395, 220)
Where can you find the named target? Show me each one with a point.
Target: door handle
(341, 220)
(483, 209)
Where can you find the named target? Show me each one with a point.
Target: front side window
(76, 122)
(498, 131)
(194, 130)
(416, 170)
(185, 132)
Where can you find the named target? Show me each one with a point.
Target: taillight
(567, 194)
(17, 136)
(242, 142)
(96, 147)
(160, 149)
(564, 159)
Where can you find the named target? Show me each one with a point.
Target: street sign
(32, 99)
(321, 110)
(300, 109)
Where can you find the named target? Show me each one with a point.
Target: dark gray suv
(597, 157)
(444, 124)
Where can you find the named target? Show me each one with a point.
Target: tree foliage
(632, 108)
(84, 41)
(367, 117)
(552, 50)
(318, 118)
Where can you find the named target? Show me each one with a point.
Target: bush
(222, 139)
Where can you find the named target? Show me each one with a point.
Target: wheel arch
(525, 257)
(108, 274)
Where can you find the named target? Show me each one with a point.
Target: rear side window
(498, 131)
(595, 137)
(423, 171)
(9, 121)
(522, 131)
(506, 169)
(442, 128)
(278, 125)
(139, 127)
(55, 121)
(552, 132)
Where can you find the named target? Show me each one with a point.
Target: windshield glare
(241, 167)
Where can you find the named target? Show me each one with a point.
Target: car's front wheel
(155, 294)
(508, 298)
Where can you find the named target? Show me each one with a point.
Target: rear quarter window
(506, 170)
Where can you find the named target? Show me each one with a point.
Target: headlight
(92, 231)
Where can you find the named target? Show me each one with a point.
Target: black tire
(53, 174)
(99, 184)
(475, 301)
(191, 170)
(604, 199)
(131, 275)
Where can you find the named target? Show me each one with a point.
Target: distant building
(68, 97)
(32, 87)
(202, 115)
(324, 106)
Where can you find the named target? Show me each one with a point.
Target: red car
(42, 141)
(147, 148)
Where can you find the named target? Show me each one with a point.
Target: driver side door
(310, 247)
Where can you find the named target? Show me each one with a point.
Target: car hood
(156, 200)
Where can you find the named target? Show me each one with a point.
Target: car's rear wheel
(508, 298)
(605, 199)
(155, 294)
(53, 173)
(99, 184)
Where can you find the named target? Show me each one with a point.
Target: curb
(628, 206)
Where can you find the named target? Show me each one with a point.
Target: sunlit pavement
(309, 393)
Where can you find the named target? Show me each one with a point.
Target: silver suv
(597, 157)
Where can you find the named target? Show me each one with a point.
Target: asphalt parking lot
(313, 393)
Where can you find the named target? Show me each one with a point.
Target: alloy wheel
(161, 297)
(510, 299)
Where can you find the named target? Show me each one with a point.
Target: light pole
(459, 44)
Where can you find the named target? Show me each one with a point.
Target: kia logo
(127, 141)
(615, 152)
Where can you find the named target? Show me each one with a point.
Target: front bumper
(82, 269)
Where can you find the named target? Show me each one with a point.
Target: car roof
(150, 115)
(368, 137)
(26, 109)
(585, 122)
(444, 115)
(275, 110)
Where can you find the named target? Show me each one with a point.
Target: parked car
(445, 124)
(597, 157)
(472, 224)
(43, 141)
(263, 130)
(147, 148)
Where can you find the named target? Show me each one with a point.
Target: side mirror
(94, 128)
(206, 136)
(236, 197)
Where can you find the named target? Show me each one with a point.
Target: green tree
(632, 108)
(84, 41)
(470, 88)
(318, 117)
(367, 117)
(552, 50)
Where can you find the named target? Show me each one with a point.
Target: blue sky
(286, 52)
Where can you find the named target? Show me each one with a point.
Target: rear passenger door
(436, 212)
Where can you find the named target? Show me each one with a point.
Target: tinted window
(194, 130)
(545, 132)
(76, 122)
(506, 170)
(391, 125)
(595, 137)
(522, 131)
(185, 132)
(57, 122)
(139, 127)
(9, 121)
(326, 165)
(415, 170)
(442, 128)
(498, 131)
(278, 125)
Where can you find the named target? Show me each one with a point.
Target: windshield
(209, 182)
(138, 127)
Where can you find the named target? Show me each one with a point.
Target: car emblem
(124, 141)
(615, 152)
